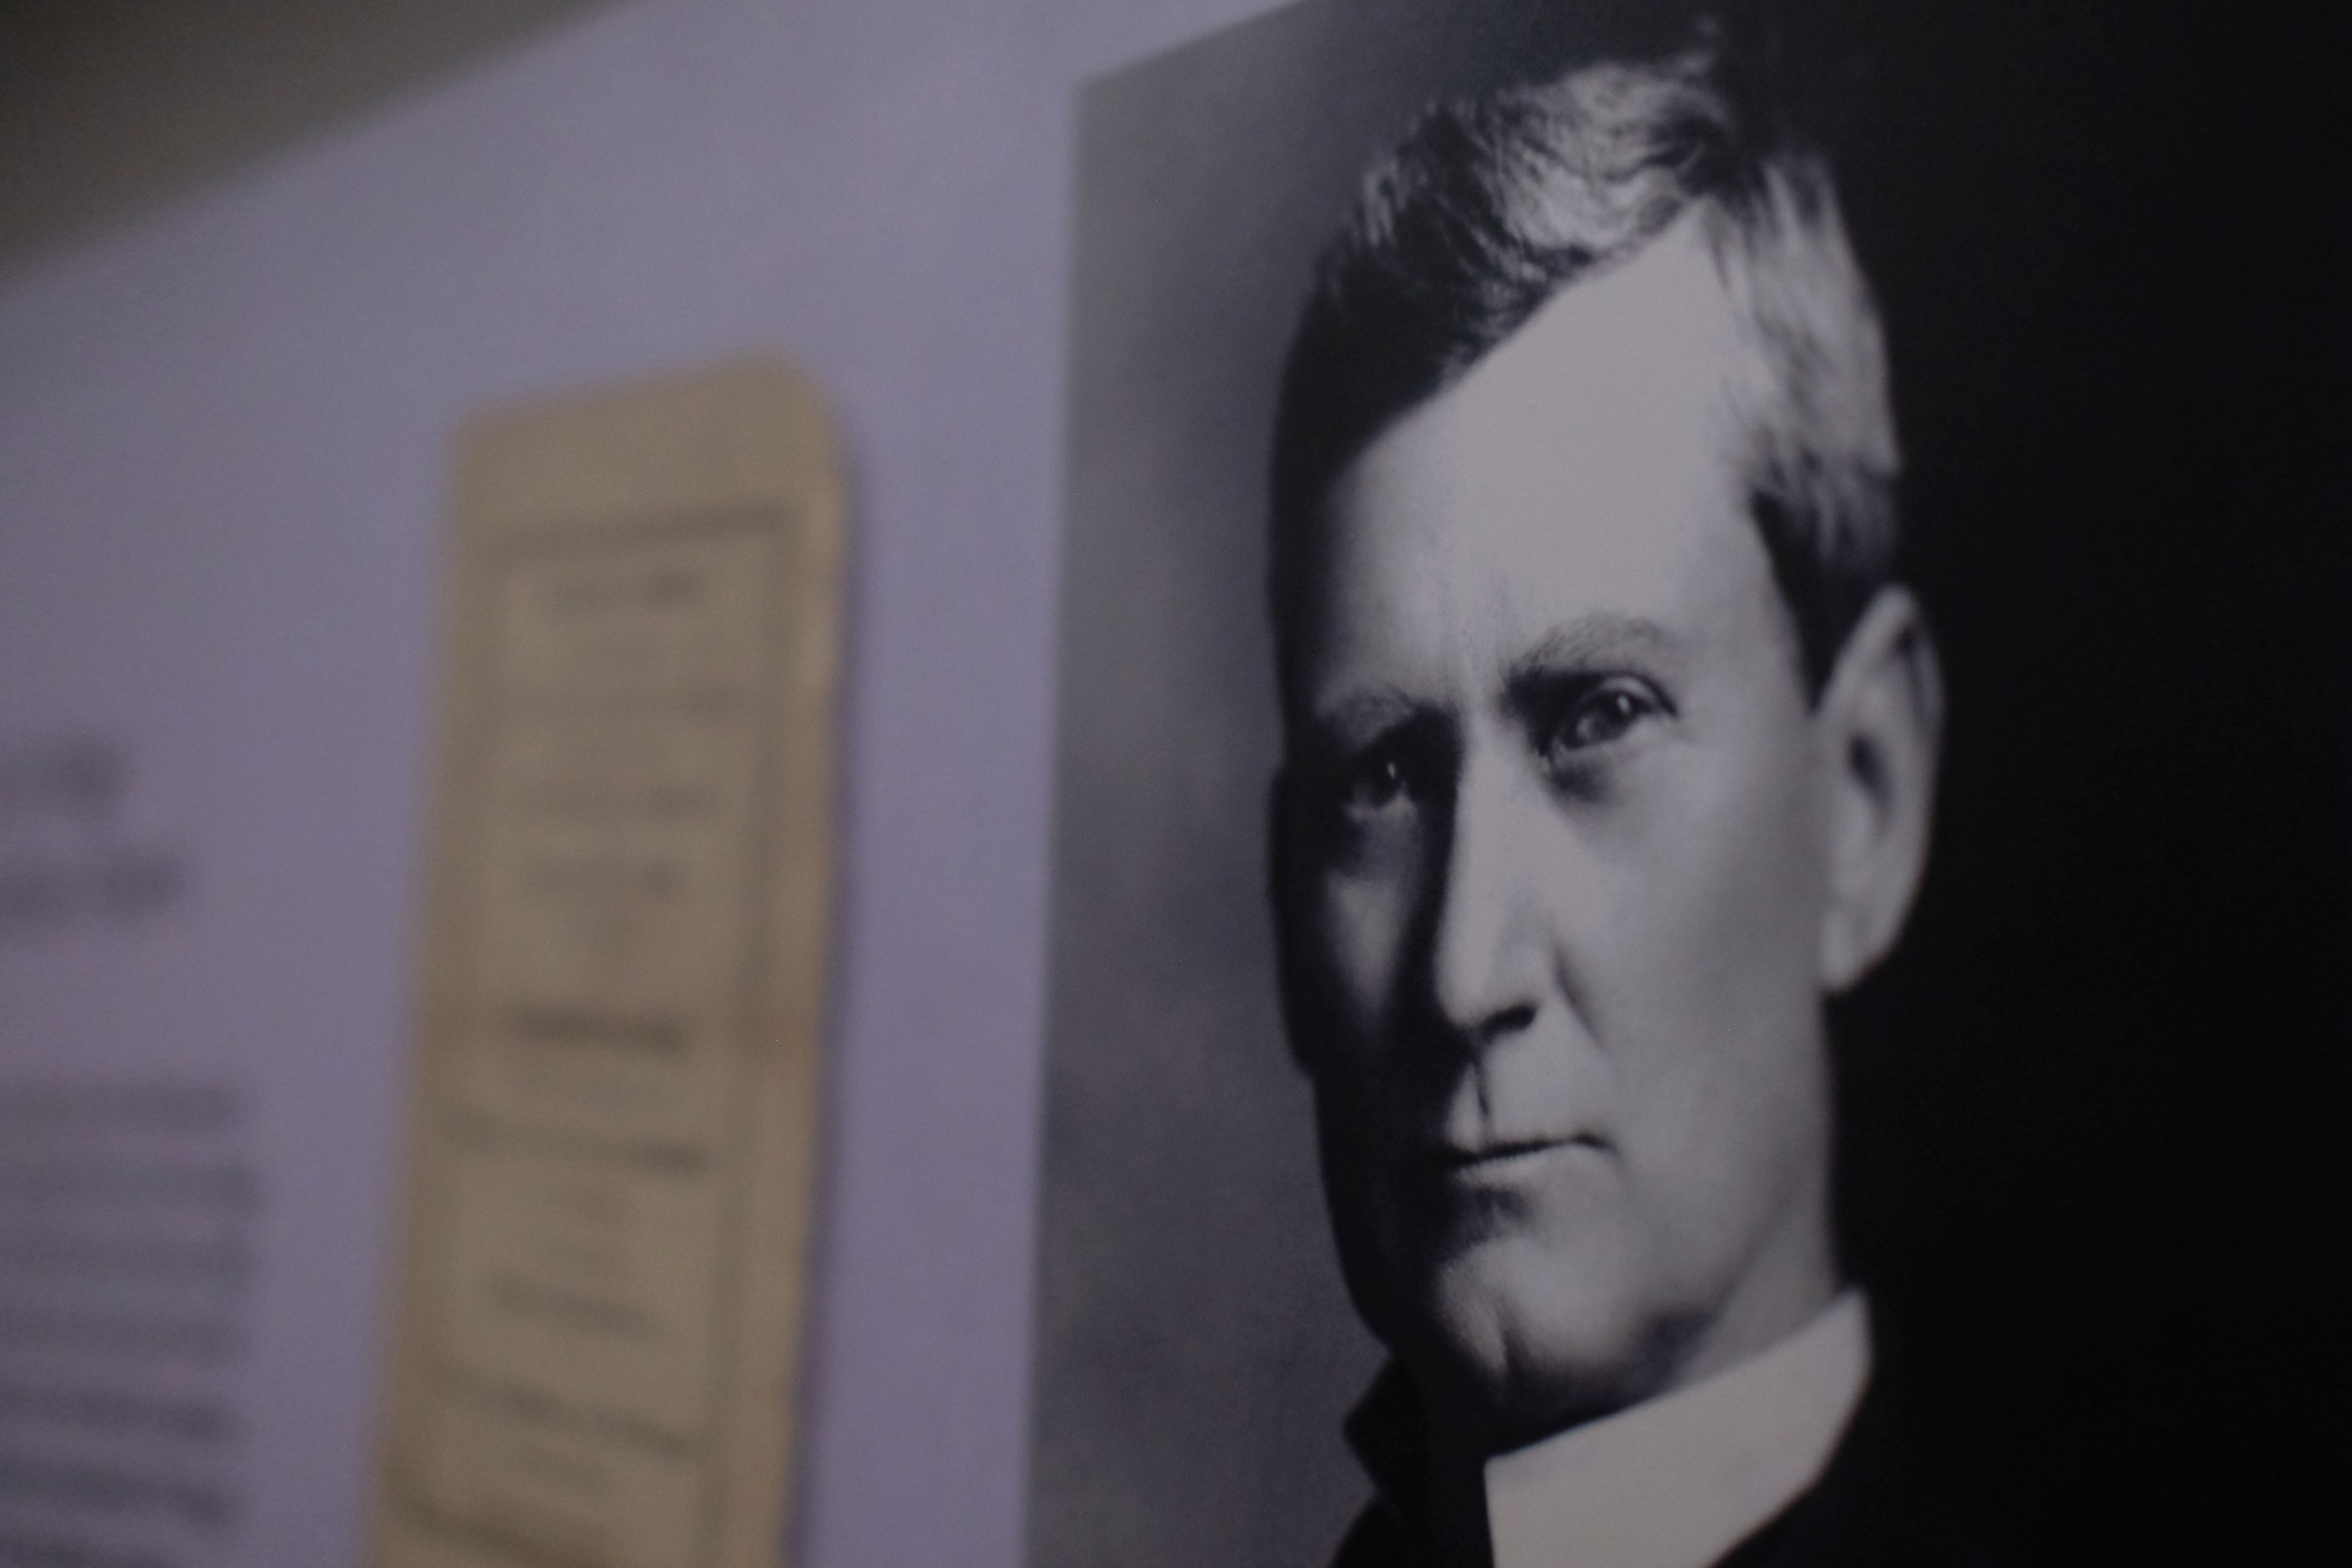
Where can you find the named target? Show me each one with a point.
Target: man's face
(1553, 872)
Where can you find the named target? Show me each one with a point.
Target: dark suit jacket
(1884, 1501)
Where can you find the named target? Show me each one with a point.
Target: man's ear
(1881, 724)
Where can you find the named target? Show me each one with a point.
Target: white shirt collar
(1679, 1481)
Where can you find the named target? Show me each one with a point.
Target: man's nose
(1487, 956)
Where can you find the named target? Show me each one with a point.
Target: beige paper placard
(613, 1129)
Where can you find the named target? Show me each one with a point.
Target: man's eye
(1373, 785)
(1380, 784)
(1597, 718)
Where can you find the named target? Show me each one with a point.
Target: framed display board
(1699, 887)
(613, 1125)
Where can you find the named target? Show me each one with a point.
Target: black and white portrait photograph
(1704, 798)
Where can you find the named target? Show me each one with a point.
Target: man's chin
(1510, 1355)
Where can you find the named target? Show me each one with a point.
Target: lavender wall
(223, 446)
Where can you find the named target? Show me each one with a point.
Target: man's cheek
(1364, 920)
(1722, 846)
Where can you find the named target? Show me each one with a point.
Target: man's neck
(1677, 1480)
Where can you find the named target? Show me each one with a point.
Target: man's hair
(1492, 205)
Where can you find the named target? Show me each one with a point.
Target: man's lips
(1490, 1153)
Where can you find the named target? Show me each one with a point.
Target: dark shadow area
(2096, 1111)
(109, 106)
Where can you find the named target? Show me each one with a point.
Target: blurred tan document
(613, 1121)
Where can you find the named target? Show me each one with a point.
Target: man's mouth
(1497, 1154)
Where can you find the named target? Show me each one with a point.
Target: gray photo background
(1195, 1352)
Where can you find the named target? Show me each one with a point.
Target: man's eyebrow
(1589, 642)
(1366, 712)
(1577, 652)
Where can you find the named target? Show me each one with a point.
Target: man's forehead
(1576, 461)
(1629, 351)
